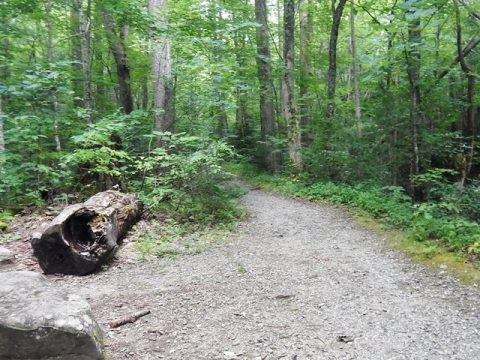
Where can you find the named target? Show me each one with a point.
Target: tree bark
(85, 236)
(163, 80)
(2, 133)
(50, 59)
(288, 86)
(117, 46)
(355, 72)
(306, 34)
(264, 65)
(337, 12)
(76, 52)
(85, 32)
(413, 70)
(242, 115)
(468, 126)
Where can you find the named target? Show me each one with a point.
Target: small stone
(229, 354)
(6, 256)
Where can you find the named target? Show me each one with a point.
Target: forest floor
(295, 281)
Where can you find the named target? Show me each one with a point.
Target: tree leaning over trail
(163, 81)
(264, 65)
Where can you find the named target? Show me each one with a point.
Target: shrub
(185, 178)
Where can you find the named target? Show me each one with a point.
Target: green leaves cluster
(185, 177)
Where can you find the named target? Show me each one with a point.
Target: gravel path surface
(299, 281)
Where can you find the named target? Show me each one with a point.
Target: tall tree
(413, 57)
(163, 81)
(76, 51)
(355, 70)
(468, 126)
(86, 57)
(2, 134)
(50, 59)
(306, 34)
(337, 11)
(264, 64)
(117, 45)
(288, 86)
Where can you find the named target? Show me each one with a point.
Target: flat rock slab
(6, 256)
(40, 322)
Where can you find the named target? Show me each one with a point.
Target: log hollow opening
(78, 231)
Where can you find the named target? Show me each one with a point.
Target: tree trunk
(117, 46)
(50, 59)
(2, 134)
(355, 72)
(76, 49)
(288, 86)
(468, 126)
(332, 59)
(85, 27)
(242, 115)
(163, 81)
(264, 64)
(306, 33)
(85, 236)
(413, 69)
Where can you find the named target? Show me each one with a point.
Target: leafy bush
(185, 177)
(389, 203)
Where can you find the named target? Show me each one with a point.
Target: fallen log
(85, 236)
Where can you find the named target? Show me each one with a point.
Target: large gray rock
(40, 322)
(6, 256)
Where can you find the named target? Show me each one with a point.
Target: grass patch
(428, 253)
(169, 238)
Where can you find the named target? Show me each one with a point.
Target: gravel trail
(298, 281)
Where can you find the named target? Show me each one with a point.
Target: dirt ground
(295, 281)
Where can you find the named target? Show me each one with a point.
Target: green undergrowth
(432, 232)
(169, 237)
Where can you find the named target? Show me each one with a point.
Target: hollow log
(85, 236)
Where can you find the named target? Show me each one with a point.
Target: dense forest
(370, 103)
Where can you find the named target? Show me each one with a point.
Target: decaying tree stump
(84, 236)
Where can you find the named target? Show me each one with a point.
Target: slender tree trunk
(264, 64)
(306, 33)
(468, 128)
(288, 86)
(144, 93)
(219, 93)
(76, 49)
(281, 125)
(101, 93)
(413, 69)
(50, 60)
(355, 71)
(85, 29)
(117, 46)
(163, 81)
(242, 116)
(337, 12)
(2, 133)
